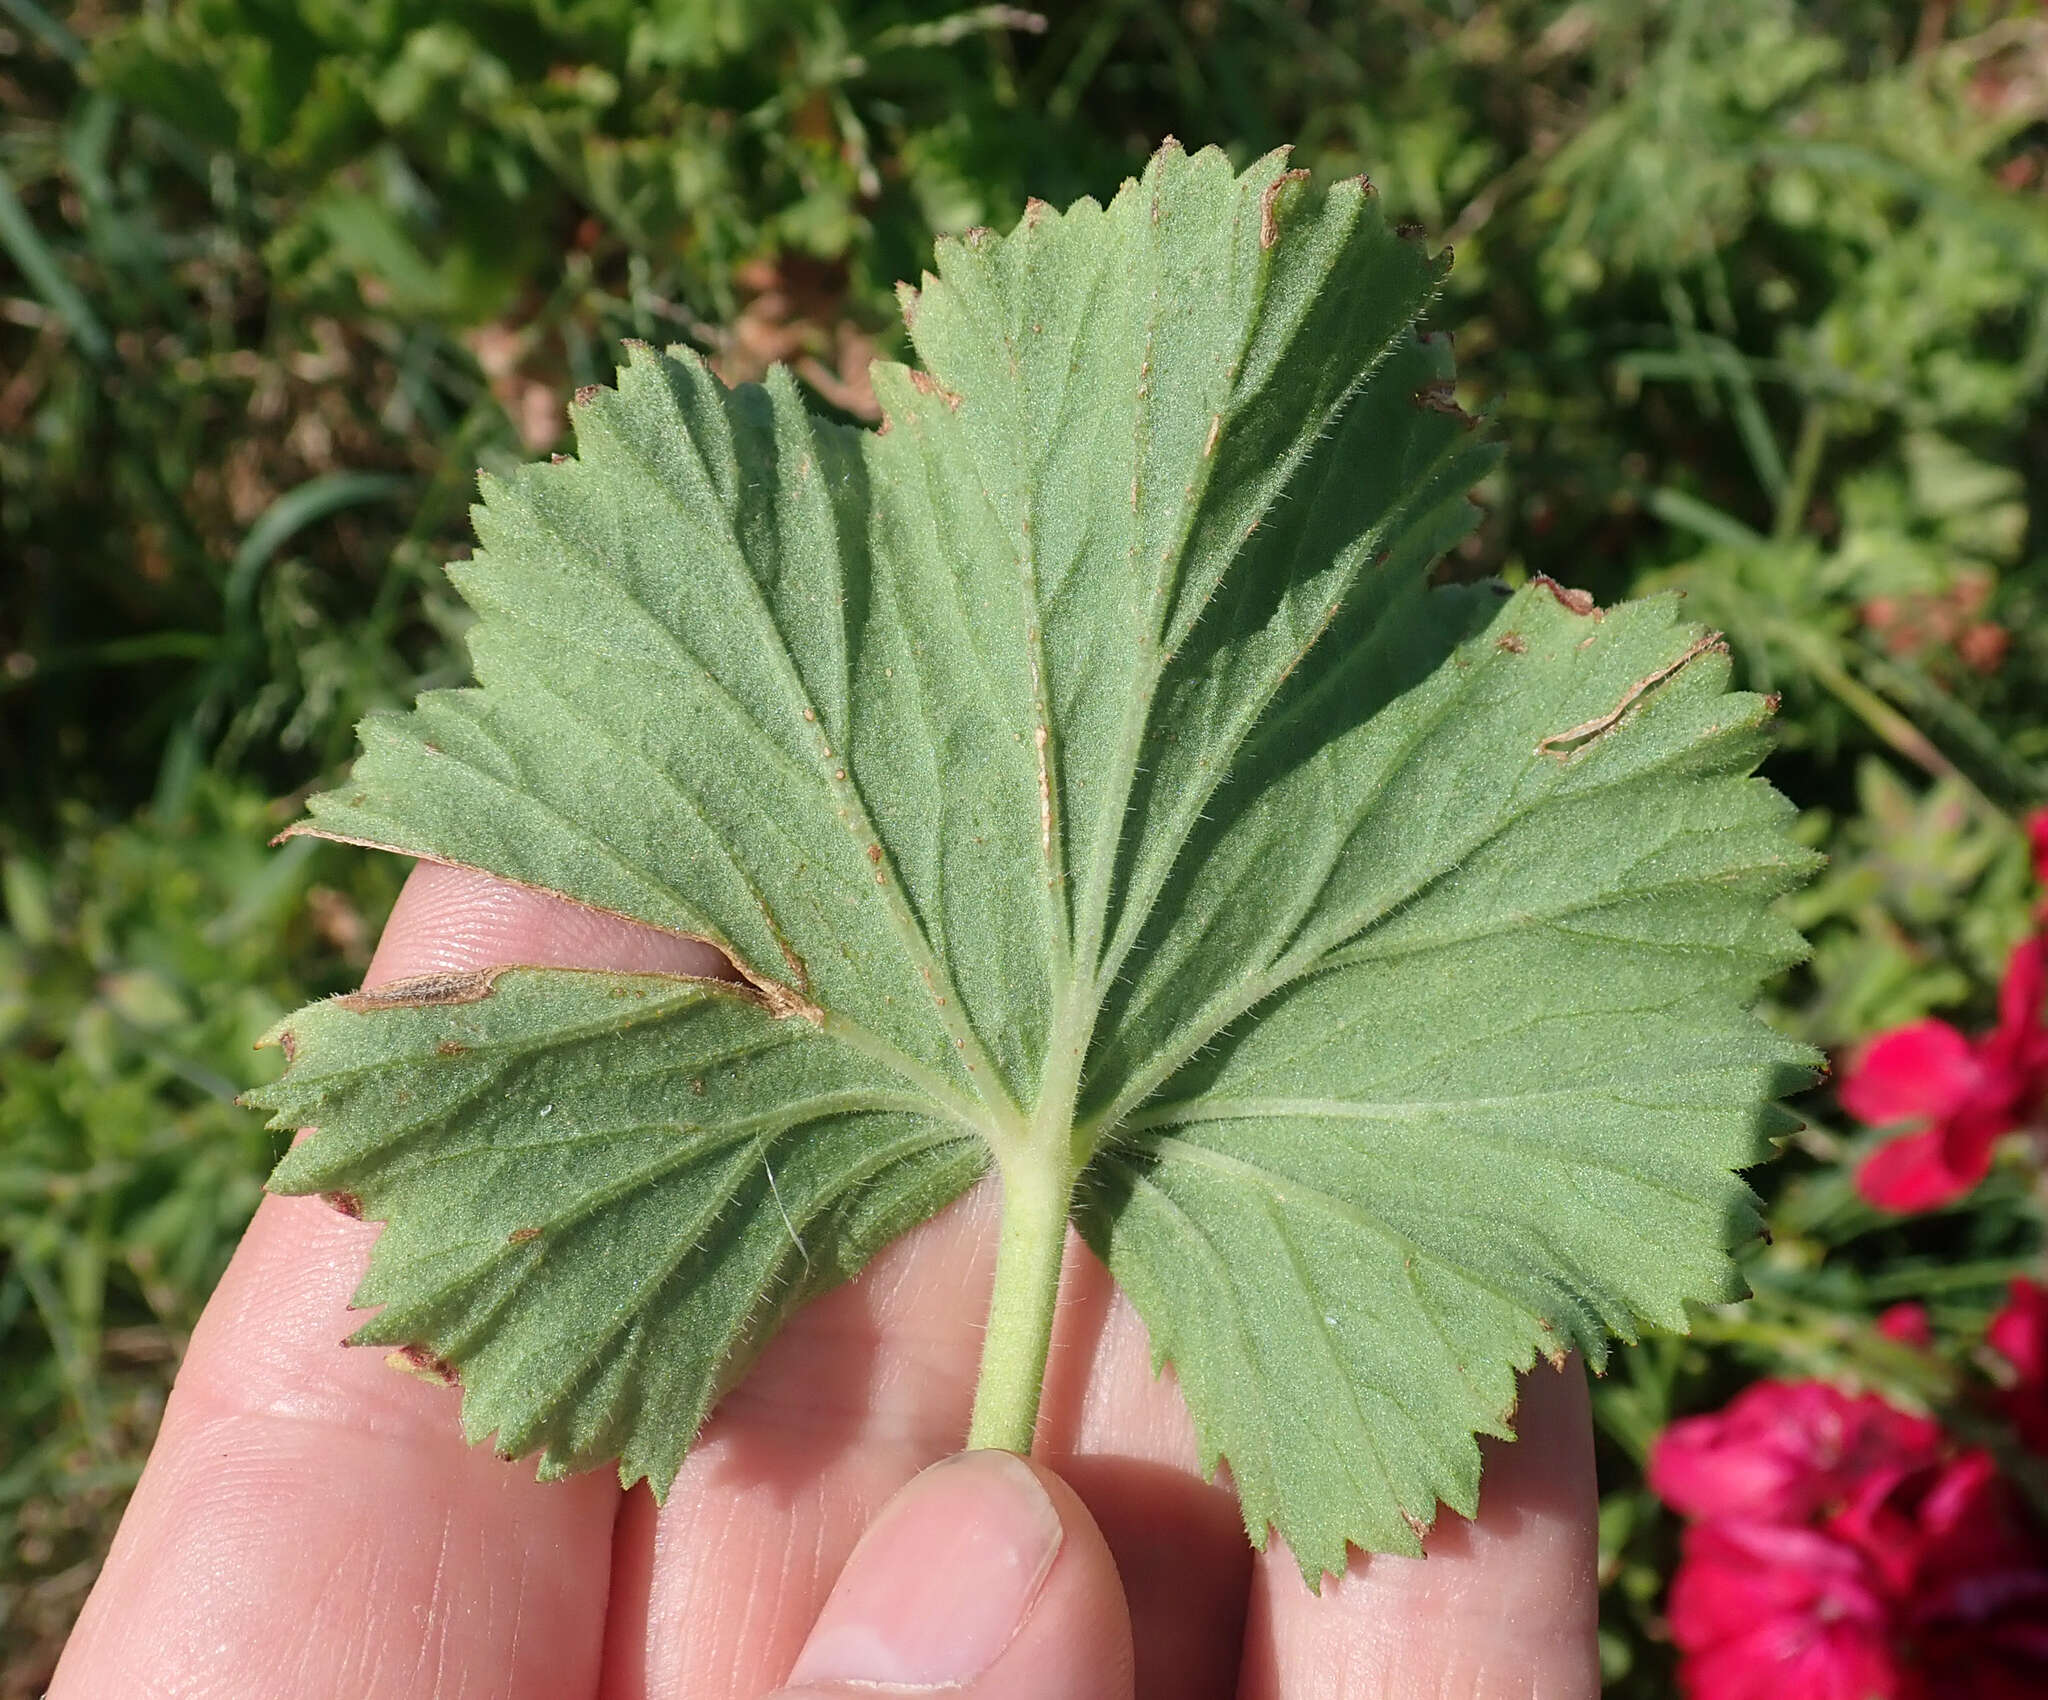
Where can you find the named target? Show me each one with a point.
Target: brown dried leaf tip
(1441, 396)
(1574, 601)
(417, 1361)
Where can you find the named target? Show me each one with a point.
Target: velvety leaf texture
(1087, 781)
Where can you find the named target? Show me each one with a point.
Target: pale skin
(311, 1523)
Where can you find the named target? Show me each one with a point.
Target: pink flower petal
(2021, 993)
(1907, 1324)
(1844, 1550)
(1922, 1072)
(2019, 1334)
(1782, 1451)
(1920, 1172)
(1764, 1613)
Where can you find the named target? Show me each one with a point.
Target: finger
(714, 1593)
(1121, 1436)
(311, 1523)
(1503, 1607)
(448, 919)
(985, 1578)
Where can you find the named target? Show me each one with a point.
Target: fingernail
(942, 1581)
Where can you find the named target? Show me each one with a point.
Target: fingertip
(984, 1576)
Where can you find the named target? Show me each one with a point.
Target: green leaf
(1440, 1061)
(1086, 781)
(593, 1179)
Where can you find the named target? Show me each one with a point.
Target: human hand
(311, 1524)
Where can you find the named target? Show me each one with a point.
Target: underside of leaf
(1087, 782)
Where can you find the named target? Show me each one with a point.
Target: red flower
(1767, 1613)
(1974, 1612)
(1784, 1451)
(1970, 1094)
(2019, 1334)
(1907, 1324)
(1847, 1551)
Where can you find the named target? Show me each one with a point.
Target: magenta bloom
(1767, 1613)
(1843, 1550)
(2019, 1334)
(1973, 1606)
(1784, 1451)
(1967, 1094)
(1907, 1324)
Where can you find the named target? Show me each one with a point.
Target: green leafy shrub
(1755, 292)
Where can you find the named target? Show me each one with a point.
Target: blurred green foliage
(1756, 292)
(137, 963)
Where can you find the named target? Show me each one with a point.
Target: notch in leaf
(1088, 784)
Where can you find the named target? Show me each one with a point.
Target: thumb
(985, 1578)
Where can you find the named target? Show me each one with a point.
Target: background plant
(1755, 291)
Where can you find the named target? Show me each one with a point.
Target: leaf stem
(1806, 458)
(1038, 1185)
